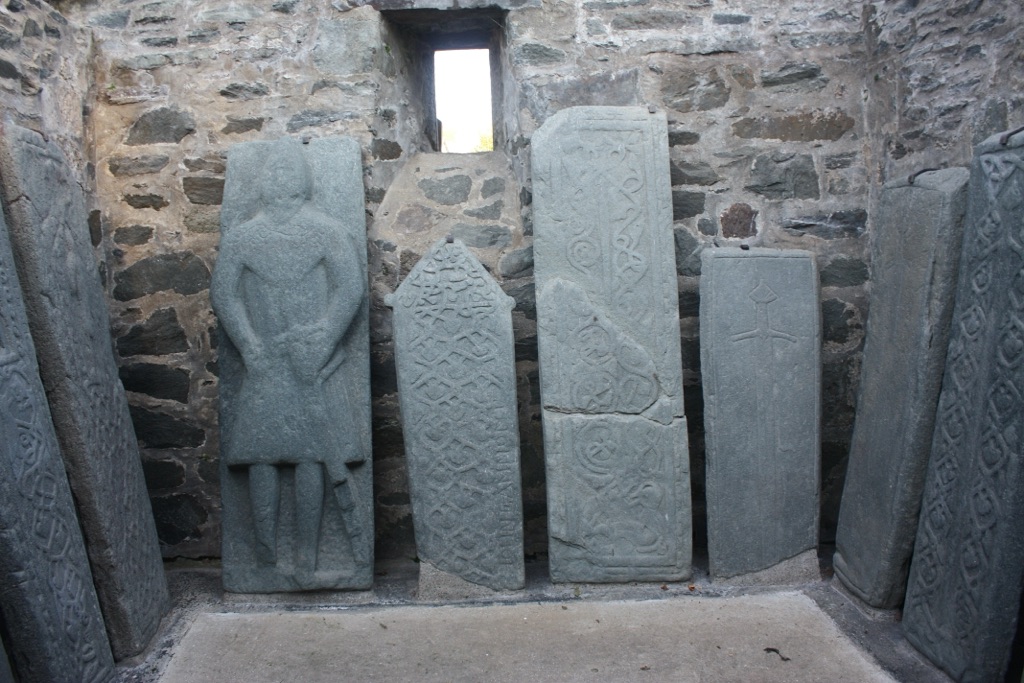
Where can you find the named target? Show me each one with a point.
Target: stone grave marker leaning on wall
(615, 437)
(290, 291)
(68, 317)
(919, 228)
(964, 587)
(760, 358)
(47, 600)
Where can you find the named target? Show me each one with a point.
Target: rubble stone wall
(781, 119)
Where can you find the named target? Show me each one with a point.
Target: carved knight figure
(287, 288)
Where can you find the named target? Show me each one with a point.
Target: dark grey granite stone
(165, 124)
(608, 331)
(451, 190)
(290, 291)
(6, 675)
(159, 335)
(964, 588)
(183, 272)
(69, 321)
(457, 385)
(47, 600)
(918, 229)
(760, 348)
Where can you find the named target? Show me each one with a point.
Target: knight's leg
(265, 494)
(309, 508)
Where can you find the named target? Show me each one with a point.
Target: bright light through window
(462, 88)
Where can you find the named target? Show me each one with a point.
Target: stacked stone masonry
(782, 122)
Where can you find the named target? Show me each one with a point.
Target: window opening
(462, 100)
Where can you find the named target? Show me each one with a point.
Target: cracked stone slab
(69, 320)
(919, 228)
(760, 348)
(608, 334)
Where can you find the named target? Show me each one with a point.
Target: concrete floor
(682, 632)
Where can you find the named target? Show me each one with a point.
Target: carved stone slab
(454, 353)
(47, 600)
(69, 322)
(760, 349)
(290, 289)
(608, 333)
(919, 228)
(964, 587)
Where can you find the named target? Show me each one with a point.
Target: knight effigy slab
(54, 627)
(615, 439)
(290, 291)
(454, 353)
(68, 318)
(760, 349)
(964, 588)
(919, 228)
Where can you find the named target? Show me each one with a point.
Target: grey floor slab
(781, 637)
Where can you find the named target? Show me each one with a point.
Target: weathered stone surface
(693, 173)
(919, 229)
(739, 221)
(146, 201)
(451, 190)
(619, 88)
(239, 125)
(816, 125)
(290, 292)
(516, 262)
(791, 74)
(483, 236)
(213, 163)
(614, 431)
(964, 588)
(203, 190)
(784, 176)
(457, 385)
(165, 124)
(244, 91)
(133, 235)
(163, 474)
(158, 381)
(686, 204)
(160, 430)
(202, 218)
(489, 212)
(348, 47)
(844, 272)
(536, 54)
(653, 19)
(54, 626)
(179, 517)
(183, 272)
(159, 335)
(68, 318)
(760, 349)
(385, 149)
(128, 166)
(688, 90)
(842, 224)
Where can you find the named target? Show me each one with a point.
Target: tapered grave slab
(69, 321)
(760, 349)
(919, 228)
(47, 601)
(615, 439)
(964, 588)
(290, 291)
(454, 353)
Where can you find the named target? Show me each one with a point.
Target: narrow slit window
(462, 94)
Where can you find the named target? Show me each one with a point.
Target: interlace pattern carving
(88, 403)
(965, 577)
(454, 350)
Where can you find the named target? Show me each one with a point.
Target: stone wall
(781, 118)
(767, 143)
